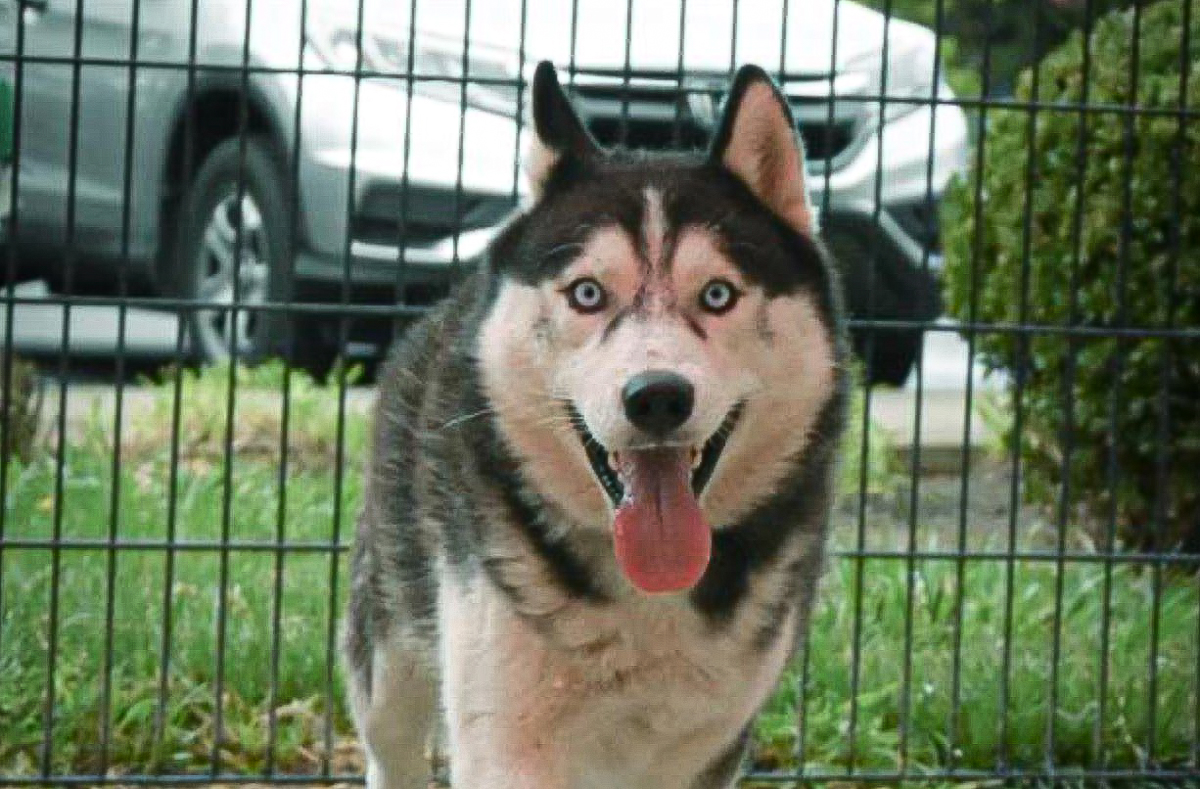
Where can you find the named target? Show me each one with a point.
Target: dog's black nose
(658, 401)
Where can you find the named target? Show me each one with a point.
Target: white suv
(388, 195)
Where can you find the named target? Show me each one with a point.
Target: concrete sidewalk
(943, 422)
(941, 431)
(91, 331)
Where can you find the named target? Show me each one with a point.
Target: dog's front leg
(492, 752)
(395, 717)
(500, 716)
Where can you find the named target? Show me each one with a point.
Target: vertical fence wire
(1116, 363)
(285, 396)
(114, 512)
(463, 85)
(626, 76)
(873, 259)
(171, 529)
(1180, 163)
(800, 682)
(805, 657)
(964, 480)
(1024, 359)
(7, 389)
(1069, 371)
(522, 54)
(63, 370)
(400, 283)
(684, 89)
(977, 240)
(230, 414)
(1021, 374)
(914, 481)
(1069, 375)
(340, 427)
(1163, 434)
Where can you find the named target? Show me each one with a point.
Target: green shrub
(20, 408)
(1002, 32)
(1108, 282)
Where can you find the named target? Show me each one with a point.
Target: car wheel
(880, 284)
(235, 239)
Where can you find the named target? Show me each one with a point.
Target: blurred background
(363, 155)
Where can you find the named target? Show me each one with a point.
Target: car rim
(232, 261)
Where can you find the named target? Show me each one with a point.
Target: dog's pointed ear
(756, 140)
(558, 132)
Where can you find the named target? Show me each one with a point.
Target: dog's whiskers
(463, 418)
(537, 408)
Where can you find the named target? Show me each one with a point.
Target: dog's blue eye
(586, 295)
(718, 296)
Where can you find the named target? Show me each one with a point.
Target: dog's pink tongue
(662, 540)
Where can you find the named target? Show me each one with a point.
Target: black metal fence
(231, 181)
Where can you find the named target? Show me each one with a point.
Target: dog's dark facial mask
(699, 275)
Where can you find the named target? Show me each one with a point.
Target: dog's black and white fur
(485, 589)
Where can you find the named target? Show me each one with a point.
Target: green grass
(178, 735)
(253, 496)
(976, 737)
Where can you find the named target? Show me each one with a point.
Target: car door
(50, 177)
(17, 19)
(44, 97)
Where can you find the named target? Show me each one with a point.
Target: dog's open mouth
(606, 465)
(661, 537)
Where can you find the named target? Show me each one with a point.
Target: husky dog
(598, 493)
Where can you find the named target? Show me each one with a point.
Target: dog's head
(662, 330)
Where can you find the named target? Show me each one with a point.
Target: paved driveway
(92, 331)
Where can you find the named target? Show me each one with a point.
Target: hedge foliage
(20, 409)
(1093, 394)
(1003, 33)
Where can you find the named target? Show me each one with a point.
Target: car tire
(235, 226)
(879, 285)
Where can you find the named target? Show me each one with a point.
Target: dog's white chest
(636, 691)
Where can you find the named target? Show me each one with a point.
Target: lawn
(280, 700)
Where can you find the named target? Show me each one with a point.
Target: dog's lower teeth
(612, 461)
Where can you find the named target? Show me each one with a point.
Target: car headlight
(905, 78)
(341, 50)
